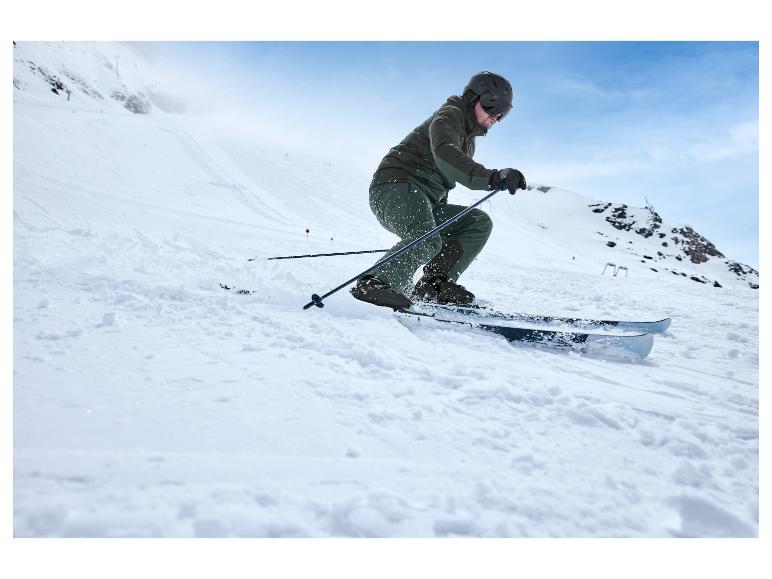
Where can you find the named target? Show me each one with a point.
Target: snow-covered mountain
(110, 77)
(148, 401)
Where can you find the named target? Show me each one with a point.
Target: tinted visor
(495, 107)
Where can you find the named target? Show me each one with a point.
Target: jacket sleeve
(445, 138)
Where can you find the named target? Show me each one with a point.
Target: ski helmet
(493, 91)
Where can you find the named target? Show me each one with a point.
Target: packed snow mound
(148, 401)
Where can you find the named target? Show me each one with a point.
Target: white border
(359, 20)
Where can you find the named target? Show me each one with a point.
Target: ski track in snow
(150, 402)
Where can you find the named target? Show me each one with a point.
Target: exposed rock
(643, 231)
(696, 247)
(619, 219)
(654, 223)
(136, 105)
(744, 271)
(740, 269)
(135, 102)
(83, 85)
(56, 83)
(599, 207)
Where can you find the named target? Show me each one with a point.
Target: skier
(409, 197)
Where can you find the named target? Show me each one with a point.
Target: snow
(150, 402)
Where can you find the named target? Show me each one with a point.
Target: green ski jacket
(438, 154)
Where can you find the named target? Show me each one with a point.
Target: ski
(639, 345)
(485, 318)
(481, 312)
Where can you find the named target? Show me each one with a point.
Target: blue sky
(674, 122)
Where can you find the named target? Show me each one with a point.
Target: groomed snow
(150, 402)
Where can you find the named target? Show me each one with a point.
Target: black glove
(510, 179)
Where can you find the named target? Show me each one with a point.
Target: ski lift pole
(316, 300)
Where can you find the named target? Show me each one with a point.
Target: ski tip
(637, 347)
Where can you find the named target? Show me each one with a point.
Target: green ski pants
(406, 211)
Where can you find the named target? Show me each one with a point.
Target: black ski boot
(435, 286)
(374, 291)
(441, 290)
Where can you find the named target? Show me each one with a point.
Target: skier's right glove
(510, 179)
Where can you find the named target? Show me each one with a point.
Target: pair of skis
(589, 335)
(583, 334)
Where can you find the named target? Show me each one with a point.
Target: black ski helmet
(493, 90)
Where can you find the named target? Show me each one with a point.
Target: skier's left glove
(510, 179)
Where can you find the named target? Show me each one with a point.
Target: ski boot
(435, 286)
(374, 291)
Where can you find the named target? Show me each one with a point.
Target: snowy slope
(149, 402)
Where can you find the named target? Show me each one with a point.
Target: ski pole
(316, 300)
(322, 254)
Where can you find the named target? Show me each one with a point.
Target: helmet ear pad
(470, 97)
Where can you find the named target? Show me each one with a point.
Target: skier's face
(483, 118)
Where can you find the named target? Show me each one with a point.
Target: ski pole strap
(316, 300)
(322, 254)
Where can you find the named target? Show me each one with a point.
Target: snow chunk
(687, 474)
(702, 518)
(463, 526)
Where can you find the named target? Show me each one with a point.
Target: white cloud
(585, 89)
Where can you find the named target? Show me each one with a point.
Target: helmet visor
(495, 107)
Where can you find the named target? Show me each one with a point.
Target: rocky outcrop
(57, 86)
(694, 245)
(134, 103)
(619, 218)
(683, 244)
(599, 207)
(70, 81)
(654, 223)
(743, 271)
